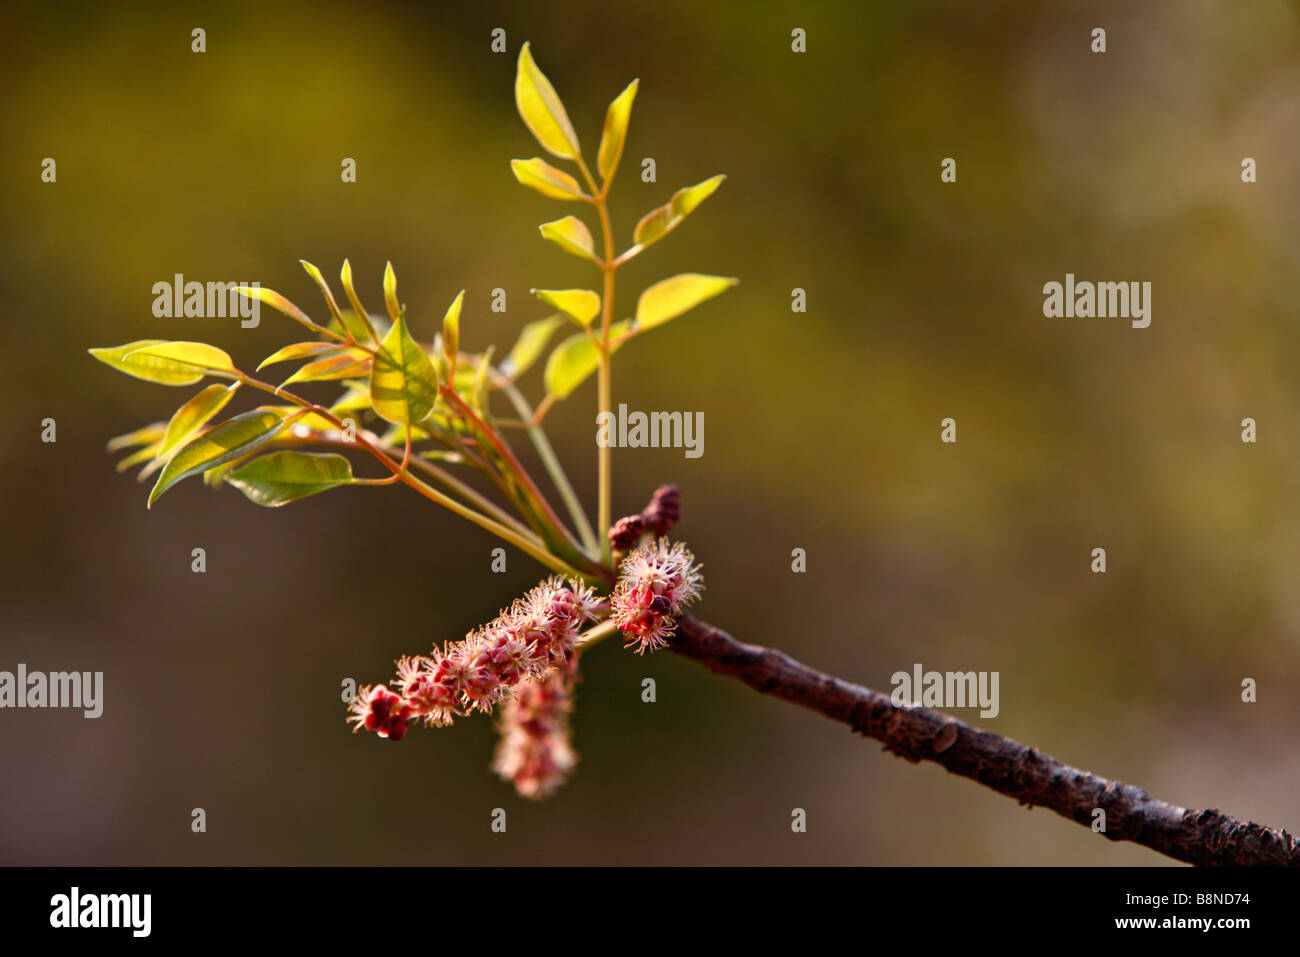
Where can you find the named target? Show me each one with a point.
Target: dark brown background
(821, 429)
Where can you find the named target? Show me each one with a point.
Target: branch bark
(1205, 837)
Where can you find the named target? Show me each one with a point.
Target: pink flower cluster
(535, 750)
(528, 641)
(656, 581)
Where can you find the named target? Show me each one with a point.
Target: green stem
(596, 634)
(604, 459)
(554, 468)
(504, 532)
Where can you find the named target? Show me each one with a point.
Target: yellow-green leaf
(367, 330)
(390, 292)
(659, 222)
(185, 355)
(541, 109)
(572, 235)
(323, 286)
(451, 328)
(582, 305)
(153, 432)
(615, 132)
(357, 397)
(350, 362)
(279, 478)
(230, 440)
(358, 311)
(546, 179)
(145, 454)
(277, 302)
(670, 298)
(125, 359)
(170, 363)
(299, 350)
(532, 340)
(575, 359)
(192, 416)
(481, 378)
(403, 383)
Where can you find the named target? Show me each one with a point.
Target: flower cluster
(656, 581)
(528, 641)
(535, 750)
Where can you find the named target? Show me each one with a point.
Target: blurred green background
(822, 429)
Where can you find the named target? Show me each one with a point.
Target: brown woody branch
(1206, 837)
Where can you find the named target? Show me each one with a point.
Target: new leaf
(278, 478)
(228, 441)
(403, 383)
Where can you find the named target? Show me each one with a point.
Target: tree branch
(1206, 837)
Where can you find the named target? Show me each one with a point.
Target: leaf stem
(520, 541)
(604, 400)
(554, 468)
(502, 449)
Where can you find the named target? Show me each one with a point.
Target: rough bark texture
(1206, 837)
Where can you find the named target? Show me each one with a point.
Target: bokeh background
(822, 429)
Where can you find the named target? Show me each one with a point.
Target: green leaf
(582, 305)
(182, 356)
(358, 313)
(532, 340)
(278, 478)
(323, 286)
(451, 328)
(403, 383)
(146, 454)
(546, 179)
(572, 235)
(541, 109)
(230, 440)
(369, 329)
(390, 292)
(190, 417)
(670, 298)
(141, 436)
(659, 222)
(481, 379)
(299, 350)
(615, 132)
(357, 397)
(139, 359)
(277, 302)
(349, 363)
(575, 359)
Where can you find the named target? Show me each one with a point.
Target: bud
(664, 510)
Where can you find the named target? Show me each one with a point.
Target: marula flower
(379, 710)
(656, 581)
(527, 641)
(535, 751)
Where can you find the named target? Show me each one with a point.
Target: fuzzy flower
(379, 710)
(535, 750)
(655, 583)
(529, 640)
